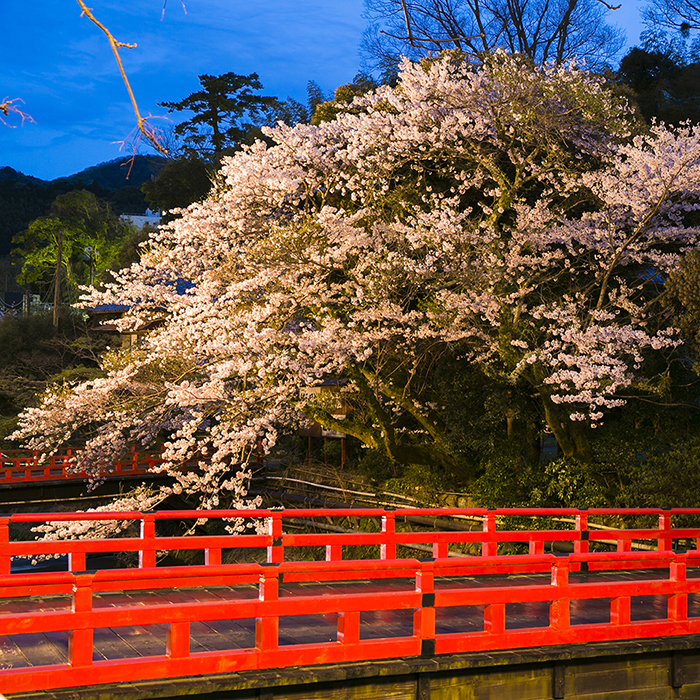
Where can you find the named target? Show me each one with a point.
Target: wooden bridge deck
(26, 650)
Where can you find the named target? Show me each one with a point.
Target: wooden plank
(222, 635)
(386, 623)
(308, 629)
(110, 644)
(526, 615)
(34, 604)
(143, 640)
(217, 635)
(204, 638)
(239, 592)
(650, 607)
(463, 618)
(584, 612)
(11, 655)
(39, 650)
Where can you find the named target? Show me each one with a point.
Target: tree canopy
(228, 113)
(542, 30)
(665, 84)
(498, 219)
(91, 238)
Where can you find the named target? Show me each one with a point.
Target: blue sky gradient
(62, 67)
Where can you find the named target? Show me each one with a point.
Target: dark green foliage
(32, 356)
(667, 89)
(292, 112)
(344, 95)
(667, 477)
(684, 299)
(117, 174)
(315, 96)
(129, 252)
(375, 466)
(646, 455)
(91, 238)
(181, 182)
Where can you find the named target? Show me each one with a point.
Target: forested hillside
(24, 198)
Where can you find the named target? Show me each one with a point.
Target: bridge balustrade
(25, 467)
(481, 533)
(585, 595)
(432, 596)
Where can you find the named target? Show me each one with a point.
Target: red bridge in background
(364, 598)
(28, 466)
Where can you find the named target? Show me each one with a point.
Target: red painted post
(489, 548)
(440, 550)
(275, 551)
(424, 617)
(495, 618)
(678, 602)
(77, 561)
(334, 552)
(620, 611)
(178, 640)
(5, 558)
(624, 545)
(559, 609)
(536, 547)
(147, 553)
(388, 547)
(267, 628)
(212, 556)
(665, 543)
(81, 640)
(349, 627)
(581, 545)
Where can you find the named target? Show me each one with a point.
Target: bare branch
(8, 106)
(143, 127)
(415, 41)
(610, 7)
(544, 30)
(165, 2)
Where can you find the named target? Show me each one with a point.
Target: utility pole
(57, 286)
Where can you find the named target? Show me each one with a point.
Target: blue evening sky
(62, 67)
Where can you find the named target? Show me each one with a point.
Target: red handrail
(387, 541)
(424, 598)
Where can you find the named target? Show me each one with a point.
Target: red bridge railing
(27, 466)
(433, 589)
(482, 533)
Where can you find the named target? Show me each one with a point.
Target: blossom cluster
(502, 211)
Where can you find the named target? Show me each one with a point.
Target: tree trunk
(57, 286)
(572, 436)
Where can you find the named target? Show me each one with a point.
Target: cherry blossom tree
(501, 214)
